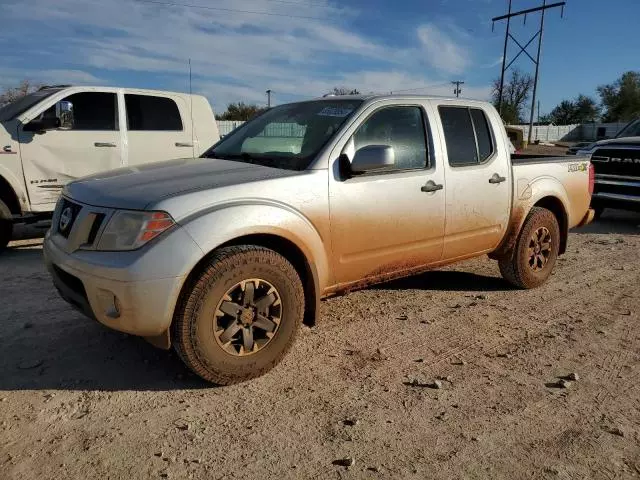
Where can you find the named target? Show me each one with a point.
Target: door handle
(497, 179)
(104, 144)
(183, 144)
(431, 186)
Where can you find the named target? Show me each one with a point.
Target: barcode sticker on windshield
(335, 112)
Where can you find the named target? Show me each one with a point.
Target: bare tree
(12, 94)
(516, 92)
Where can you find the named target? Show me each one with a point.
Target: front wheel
(531, 261)
(238, 319)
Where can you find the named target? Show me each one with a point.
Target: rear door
(91, 143)
(158, 128)
(478, 180)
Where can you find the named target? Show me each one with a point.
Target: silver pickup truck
(226, 255)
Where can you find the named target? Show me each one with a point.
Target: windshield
(631, 130)
(288, 136)
(21, 105)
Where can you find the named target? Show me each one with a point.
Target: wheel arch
(285, 247)
(555, 206)
(9, 196)
(519, 216)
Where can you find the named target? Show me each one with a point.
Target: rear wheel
(239, 318)
(531, 262)
(6, 225)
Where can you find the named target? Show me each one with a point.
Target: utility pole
(538, 111)
(504, 59)
(268, 98)
(536, 62)
(457, 90)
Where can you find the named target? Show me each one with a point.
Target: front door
(88, 144)
(385, 222)
(478, 177)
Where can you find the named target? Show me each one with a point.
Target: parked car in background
(574, 149)
(224, 256)
(617, 170)
(59, 134)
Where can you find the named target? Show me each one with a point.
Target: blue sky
(303, 48)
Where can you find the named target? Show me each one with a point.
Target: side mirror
(373, 157)
(64, 113)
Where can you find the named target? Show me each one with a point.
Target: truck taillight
(592, 178)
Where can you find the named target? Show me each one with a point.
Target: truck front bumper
(112, 287)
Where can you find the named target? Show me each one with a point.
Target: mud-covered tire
(516, 267)
(6, 225)
(195, 322)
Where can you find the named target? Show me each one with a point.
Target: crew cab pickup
(226, 255)
(58, 134)
(617, 170)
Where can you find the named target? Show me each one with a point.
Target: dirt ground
(78, 401)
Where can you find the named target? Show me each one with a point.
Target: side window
(146, 112)
(467, 134)
(401, 128)
(90, 111)
(459, 136)
(483, 134)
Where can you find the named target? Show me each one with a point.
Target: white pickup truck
(58, 134)
(225, 256)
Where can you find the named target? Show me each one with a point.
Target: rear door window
(483, 134)
(150, 113)
(467, 135)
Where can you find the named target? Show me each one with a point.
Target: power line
(221, 9)
(538, 35)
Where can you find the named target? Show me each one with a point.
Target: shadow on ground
(447, 280)
(80, 354)
(617, 222)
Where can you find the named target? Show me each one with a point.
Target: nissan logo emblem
(65, 219)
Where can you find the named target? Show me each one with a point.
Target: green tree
(583, 109)
(515, 94)
(564, 113)
(621, 99)
(14, 93)
(587, 109)
(240, 112)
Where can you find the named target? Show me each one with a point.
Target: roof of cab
(391, 96)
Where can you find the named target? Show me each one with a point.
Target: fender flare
(229, 223)
(543, 191)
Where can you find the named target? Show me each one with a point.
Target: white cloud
(235, 56)
(443, 52)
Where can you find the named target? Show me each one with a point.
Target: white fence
(226, 126)
(585, 131)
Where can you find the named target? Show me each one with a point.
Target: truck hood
(616, 142)
(138, 187)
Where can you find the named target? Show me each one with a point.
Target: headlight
(129, 230)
